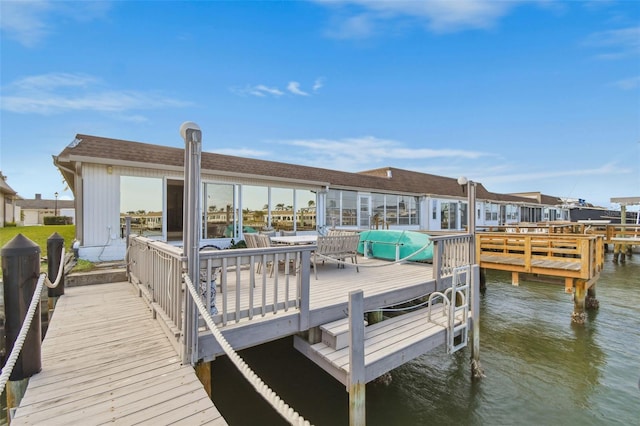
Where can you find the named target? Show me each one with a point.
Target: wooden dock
(575, 258)
(106, 360)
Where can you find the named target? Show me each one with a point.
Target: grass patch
(84, 266)
(40, 235)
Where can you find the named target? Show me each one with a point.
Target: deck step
(335, 334)
(388, 344)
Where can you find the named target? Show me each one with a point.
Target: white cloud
(259, 90)
(62, 92)
(440, 16)
(29, 22)
(618, 43)
(627, 83)
(359, 153)
(262, 90)
(318, 84)
(294, 87)
(604, 170)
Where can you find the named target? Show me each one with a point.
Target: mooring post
(20, 271)
(591, 302)
(357, 385)
(578, 315)
(55, 246)
(476, 369)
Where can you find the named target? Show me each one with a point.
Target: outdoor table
(296, 239)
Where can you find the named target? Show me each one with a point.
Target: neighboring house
(34, 211)
(112, 179)
(8, 210)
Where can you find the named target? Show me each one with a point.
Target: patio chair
(339, 247)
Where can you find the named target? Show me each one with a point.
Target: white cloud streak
(294, 87)
(627, 83)
(29, 22)
(619, 43)
(63, 92)
(318, 84)
(262, 90)
(363, 17)
(604, 170)
(359, 153)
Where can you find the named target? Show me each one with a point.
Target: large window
(391, 206)
(448, 213)
(281, 215)
(175, 206)
(219, 211)
(408, 210)
(255, 206)
(305, 203)
(349, 208)
(141, 199)
(386, 209)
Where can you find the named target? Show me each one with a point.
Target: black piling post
(55, 246)
(20, 271)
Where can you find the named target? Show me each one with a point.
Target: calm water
(540, 369)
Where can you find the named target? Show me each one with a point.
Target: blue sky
(519, 95)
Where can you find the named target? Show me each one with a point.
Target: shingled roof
(136, 154)
(4, 186)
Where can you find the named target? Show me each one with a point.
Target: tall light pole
(56, 209)
(192, 216)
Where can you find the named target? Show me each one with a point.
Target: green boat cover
(382, 244)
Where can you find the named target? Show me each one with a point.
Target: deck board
(105, 359)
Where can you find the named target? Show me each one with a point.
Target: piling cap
(55, 236)
(20, 246)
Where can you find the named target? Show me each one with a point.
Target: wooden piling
(357, 384)
(203, 371)
(591, 302)
(476, 369)
(15, 391)
(578, 316)
(374, 317)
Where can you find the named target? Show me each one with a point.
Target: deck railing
(268, 291)
(567, 255)
(157, 267)
(450, 252)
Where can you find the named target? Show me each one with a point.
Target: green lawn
(39, 235)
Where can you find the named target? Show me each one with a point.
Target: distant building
(8, 210)
(34, 211)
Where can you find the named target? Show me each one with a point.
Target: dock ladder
(456, 300)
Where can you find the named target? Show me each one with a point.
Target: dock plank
(105, 359)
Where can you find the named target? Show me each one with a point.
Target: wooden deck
(384, 284)
(575, 258)
(106, 360)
